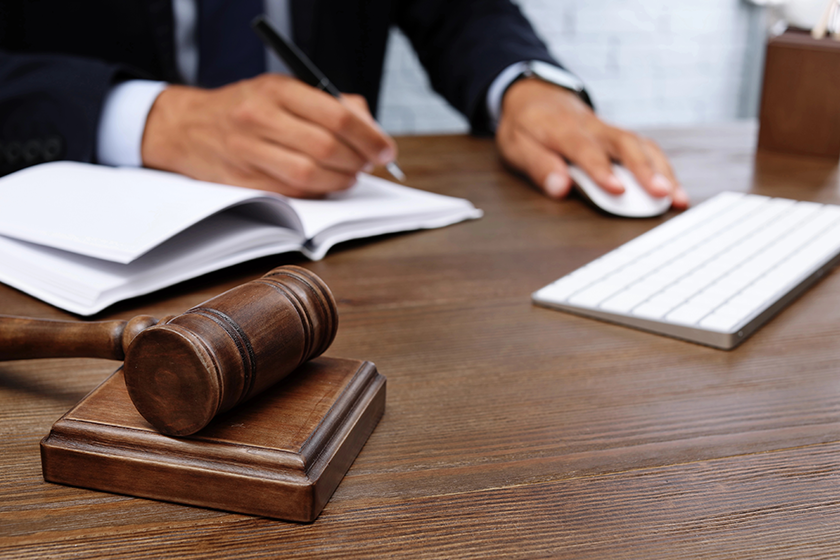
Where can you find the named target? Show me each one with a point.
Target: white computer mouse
(634, 202)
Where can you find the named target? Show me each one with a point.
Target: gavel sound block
(280, 454)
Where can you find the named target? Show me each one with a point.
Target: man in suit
(180, 85)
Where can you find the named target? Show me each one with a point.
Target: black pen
(304, 70)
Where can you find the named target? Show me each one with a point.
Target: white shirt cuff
(123, 119)
(502, 82)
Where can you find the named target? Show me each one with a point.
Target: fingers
(663, 168)
(297, 135)
(643, 157)
(649, 165)
(256, 179)
(629, 150)
(542, 165)
(271, 132)
(290, 168)
(344, 120)
(680, 198)
(559, 121)
(583, 150)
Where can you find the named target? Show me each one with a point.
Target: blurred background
(645, 62)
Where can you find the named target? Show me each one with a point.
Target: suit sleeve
(49, 107)
(465, 44)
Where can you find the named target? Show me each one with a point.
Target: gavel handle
(23, 338)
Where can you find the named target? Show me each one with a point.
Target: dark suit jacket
(58, 58)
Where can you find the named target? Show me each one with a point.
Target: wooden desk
(511, 430)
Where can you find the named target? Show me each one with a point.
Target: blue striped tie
(229, 50)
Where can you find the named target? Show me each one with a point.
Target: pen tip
(395, 171)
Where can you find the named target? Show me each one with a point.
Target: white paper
(115, 214)
(370, 199)
(83, 236)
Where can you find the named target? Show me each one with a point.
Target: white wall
(645, 62)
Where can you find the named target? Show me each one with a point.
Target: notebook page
(116, 214)
(86, 285)
(371, 200)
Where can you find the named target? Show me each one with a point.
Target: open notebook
(82, 236)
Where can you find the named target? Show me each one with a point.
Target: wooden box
(800, 103)
(279, 455)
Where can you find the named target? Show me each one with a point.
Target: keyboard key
(624, 301)
(708, 299)
(720, 323)
(738, 309)
(688, 314)
(595, 294)
(748, 300)
(651, 310)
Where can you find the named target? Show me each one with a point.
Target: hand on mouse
(543, 125)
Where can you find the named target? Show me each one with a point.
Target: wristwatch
(554, 75)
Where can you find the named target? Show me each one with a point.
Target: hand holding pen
(272, 133)
(304, 69)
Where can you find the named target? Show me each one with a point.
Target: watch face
(555, 75)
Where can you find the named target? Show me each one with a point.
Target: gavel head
(185, 370)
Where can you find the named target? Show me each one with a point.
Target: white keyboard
(712, 274)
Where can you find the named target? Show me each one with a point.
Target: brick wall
(645, 62)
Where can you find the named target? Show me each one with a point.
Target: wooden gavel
(182, 371)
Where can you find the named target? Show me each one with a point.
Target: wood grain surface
(510, 430)
(800, 99)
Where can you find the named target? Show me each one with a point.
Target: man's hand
(543, 125)
(272, 132)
